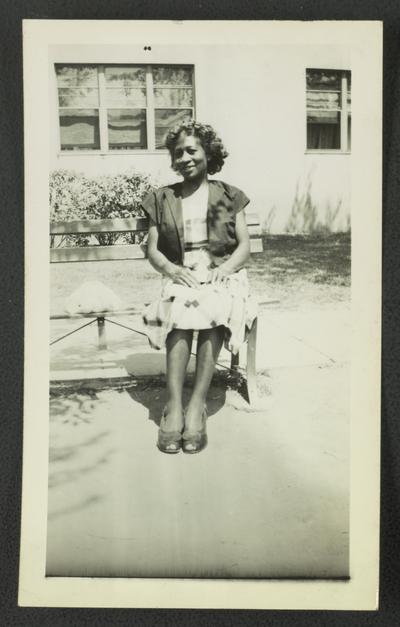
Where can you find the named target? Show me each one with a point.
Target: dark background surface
(11, 303)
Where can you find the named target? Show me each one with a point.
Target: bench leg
(101, 327)
(251, 363)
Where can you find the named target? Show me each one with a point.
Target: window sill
(327, 152)
(108, 153)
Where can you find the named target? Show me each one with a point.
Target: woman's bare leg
(209, 344)
(178, 344)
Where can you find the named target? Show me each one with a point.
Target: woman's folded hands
(181, 275)
(219, 274)
(195, 276)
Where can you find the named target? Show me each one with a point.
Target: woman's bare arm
(240, 255)
(159, 261)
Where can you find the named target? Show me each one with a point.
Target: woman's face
(189, 158)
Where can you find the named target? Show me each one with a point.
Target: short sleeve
(240, 200)
(149, 206)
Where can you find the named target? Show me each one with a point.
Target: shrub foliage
(74, 196)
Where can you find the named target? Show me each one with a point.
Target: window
(124, 107)
(328, 110)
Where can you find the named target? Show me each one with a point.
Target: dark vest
(164, 206)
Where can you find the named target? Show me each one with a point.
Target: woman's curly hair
(212, 144)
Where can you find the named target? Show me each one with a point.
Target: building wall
(255, 97)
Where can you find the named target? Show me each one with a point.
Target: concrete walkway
(267, 498)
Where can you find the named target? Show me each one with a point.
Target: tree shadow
(305, 216)
(68, 462)
(87, 502)
(268, 220)
(307, 257)
(61, 477)
(74, 407)
(66, 453)
(73, 401)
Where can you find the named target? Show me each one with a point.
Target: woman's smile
(190, 158)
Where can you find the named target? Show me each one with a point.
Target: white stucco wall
(255, 97)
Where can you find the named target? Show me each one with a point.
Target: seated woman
(198, 241)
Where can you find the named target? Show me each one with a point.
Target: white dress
(209, 305)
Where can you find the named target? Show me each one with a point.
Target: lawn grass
(294, 269)
(313, 258)
(303, 268)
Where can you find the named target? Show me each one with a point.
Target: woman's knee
(179, 336)
(214, 333)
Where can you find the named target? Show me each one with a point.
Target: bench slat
(256, 245)
(254, 230)
(252, 219)
(127, 251)
(121, 225)
(115, 253)
(97, 253)
(116, 225)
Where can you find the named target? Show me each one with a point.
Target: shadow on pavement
(152, 396)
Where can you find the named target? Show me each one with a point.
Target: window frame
(102, 108)
(344, 114)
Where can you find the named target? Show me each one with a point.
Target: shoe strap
(193, 436)
(170, 436)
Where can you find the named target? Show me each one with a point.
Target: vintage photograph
(200, 248)
(199, 203)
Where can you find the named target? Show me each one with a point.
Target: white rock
(92, 296)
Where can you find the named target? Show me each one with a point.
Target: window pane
(349, 132)
(79, 129)
(125, 76)
(127, 129)
(78, 97)
(126, 97)
(348, 75)
(323, 79)
(167, 97)
(76, 76)
(323, 130)
(323, 117)
(323, 100)
(170, 75)
(166, 119)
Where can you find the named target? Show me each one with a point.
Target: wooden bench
(131, 252)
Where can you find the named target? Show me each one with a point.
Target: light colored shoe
(195, 441)
(168, 441)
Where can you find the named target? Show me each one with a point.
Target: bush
(74, 196)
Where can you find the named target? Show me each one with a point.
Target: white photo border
(360, 592)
